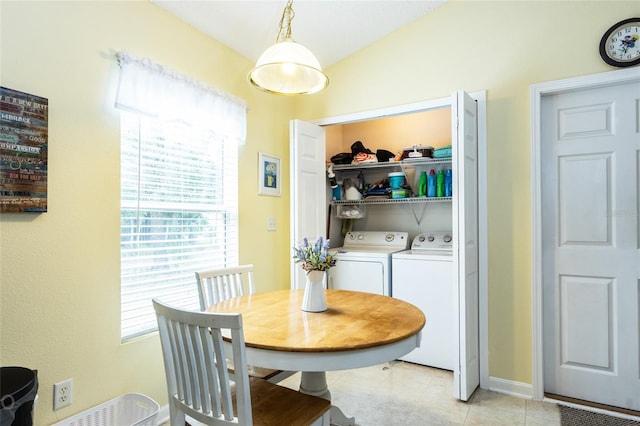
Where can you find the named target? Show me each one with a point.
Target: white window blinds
(179, 206)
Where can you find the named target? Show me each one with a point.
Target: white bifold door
(590, 152)
(464, 135)
(308, 189)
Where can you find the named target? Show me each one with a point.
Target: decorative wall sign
(268, 175)
(23, 151)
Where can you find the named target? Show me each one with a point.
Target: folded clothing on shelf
(361, 154)
(384, 155)
(443, 152)
(363, 157)
(357, 147)
(342, 158)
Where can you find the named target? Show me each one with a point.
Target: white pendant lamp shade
(288, 68)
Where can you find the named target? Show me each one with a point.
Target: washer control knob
(431, 238)
(360, 237)
(421, 238)
(447, 238)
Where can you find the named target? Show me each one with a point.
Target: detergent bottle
(422, 185)
(431, 184)
(448, 184)
(440, 184)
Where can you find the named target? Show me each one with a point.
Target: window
(178, 215)
(178, 188)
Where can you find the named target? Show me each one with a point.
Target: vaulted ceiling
(331, 29)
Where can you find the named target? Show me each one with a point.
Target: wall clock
(620, 44)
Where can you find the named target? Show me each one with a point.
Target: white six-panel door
(590, 179)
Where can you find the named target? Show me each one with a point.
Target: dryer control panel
(382, 239)
(442, 240)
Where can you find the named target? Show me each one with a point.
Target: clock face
(620, 45)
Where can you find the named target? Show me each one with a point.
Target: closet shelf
(411, 168)
(410, 200)
(392, 164)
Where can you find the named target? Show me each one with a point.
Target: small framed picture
(269, 175)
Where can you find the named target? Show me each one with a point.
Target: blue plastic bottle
(448, 184)
(336, 192)
(431, 184)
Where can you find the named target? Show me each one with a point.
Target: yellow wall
(503, 47)
(59, 276)
(60, 271)
(394, 134)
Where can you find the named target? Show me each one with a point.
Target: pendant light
(288, 68)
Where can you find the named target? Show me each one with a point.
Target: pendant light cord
(284, 32)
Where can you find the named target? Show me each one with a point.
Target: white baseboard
(163, 417)
(510, 387)
(525, 390)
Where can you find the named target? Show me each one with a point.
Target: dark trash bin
(18, 389)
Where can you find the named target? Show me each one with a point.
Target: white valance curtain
(160, 92)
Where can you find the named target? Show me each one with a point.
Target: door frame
(538, 91)
(483, 252)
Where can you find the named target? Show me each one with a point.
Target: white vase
(314, 299)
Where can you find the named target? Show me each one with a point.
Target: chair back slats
(196, 364)
(180, 360)
(216, 285)
(212, 373)
(243, 390)
(169, 354)
(192, 345)
(223, 404)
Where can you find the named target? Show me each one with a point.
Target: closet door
(308, 188)
(464, 123)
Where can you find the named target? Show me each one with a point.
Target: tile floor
(403, 394)
(400, 393)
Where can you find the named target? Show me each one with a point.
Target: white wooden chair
(217, 285)
(203, 389)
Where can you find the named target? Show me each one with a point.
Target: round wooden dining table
(357, 330)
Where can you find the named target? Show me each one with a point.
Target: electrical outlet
(271, 223)
(62, 394)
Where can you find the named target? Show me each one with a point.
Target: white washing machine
(363, 263)
(423, 276)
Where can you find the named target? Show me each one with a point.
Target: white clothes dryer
(363, 263)
(423, 276)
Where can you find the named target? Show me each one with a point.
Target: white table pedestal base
(315, 383)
